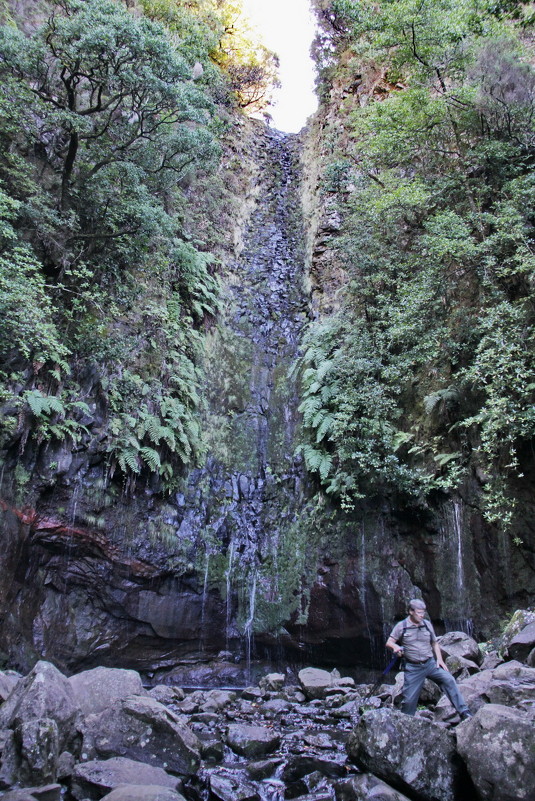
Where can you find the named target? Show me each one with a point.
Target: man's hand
(438, 656)
(392, 644)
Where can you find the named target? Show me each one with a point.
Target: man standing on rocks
(415, 639)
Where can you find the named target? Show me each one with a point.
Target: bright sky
(287, 28)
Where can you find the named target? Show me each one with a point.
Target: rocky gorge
(289, 398)
(247, 558)
(315, 736)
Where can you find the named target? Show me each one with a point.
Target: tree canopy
(103, 126)
(426, 375)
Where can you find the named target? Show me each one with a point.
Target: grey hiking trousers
(416, 674)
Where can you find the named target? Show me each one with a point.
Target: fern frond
(325, 466)
(128, 460)
(151, 458)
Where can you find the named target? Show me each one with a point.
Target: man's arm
(393, 645)
(438, 655)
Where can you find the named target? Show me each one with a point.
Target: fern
(444, 458)
(313, 457)
(43, 404)
(168, 437)
(151, 458)
(128, 460)
(325, 427)
(441, 397)
(325, 466)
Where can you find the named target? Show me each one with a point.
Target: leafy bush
(427, 369)
(102, 293)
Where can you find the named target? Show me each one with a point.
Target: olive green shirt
(416, 640)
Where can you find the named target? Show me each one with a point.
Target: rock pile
(101, 735)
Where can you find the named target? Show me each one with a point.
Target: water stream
(245, 498)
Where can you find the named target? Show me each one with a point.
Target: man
(415, 639)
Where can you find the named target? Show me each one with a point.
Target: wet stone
(263, 769)
(232, 787)
(204, 717)
(252, 741)
(212, 750)
(300, 766)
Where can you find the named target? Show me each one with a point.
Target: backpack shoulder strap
(426, 624)
(404, 629)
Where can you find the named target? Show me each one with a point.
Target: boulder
(148, 792)
(102, 688)
(253, 694)
(252, 741)
(44, 693)
(276, 706)
(457, 643)
(212, 750)
(263, 769)
(232, 787)
(142, 729)
(92, 780)
(315, 682)
(9, 759)
(48, 792)
(511, 683)
(39, 751)
(206, 718)
(165, 694)
(65, 765)
(460, 667)
(491, 660)
(350, 709)
(522, 644)
(273, 682)
(321, 740)
(519, 620)
(302, 765)
(366, 787)
(216, 700)
(7, 682)
(412, 754)
(497, 745)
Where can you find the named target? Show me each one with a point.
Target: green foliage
(55, 417)
(427, 368)
(27, 328)
(105, 128)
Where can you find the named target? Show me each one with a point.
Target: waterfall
(458, 529)
(204, 599)
(228, 600)
(456, 594)
(246, 496)
(249, 623)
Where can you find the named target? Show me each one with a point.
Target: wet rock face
(241, 560)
